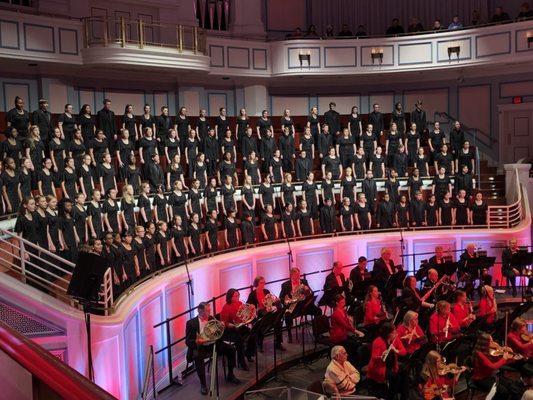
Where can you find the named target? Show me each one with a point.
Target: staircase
(492, 184)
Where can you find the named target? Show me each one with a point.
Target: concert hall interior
(249, 199)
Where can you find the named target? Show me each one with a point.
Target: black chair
(320, 326)
(316, 387)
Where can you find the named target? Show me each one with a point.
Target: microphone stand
(289, 255)
(402, 249)
(190, 290)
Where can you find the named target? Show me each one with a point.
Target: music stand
(84, 286)
(479, 264)
(521, 260)
(447, 268)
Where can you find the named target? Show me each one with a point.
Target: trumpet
(213, 330)
(268, 302)
(245, 314)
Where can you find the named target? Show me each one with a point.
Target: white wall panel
(524, 88)
(120, 99)
(297, 105)
(58, 97)
(474, 107)
(191, 100)
(39, 38)
(433, 100)
(87, 97)
(238, 57)
(464, 53)
(493, 44)
(385, 101)
(344, 56)
(9, 36)
(419, 53)
(344, 103)
(216, 101)
(160, 100)
(12, 90)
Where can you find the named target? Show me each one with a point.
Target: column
(256, 99)
(246, 18)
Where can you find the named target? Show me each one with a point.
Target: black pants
(244, 343)
(202, 352)
(310, 309)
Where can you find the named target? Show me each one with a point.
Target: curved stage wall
(121, 341)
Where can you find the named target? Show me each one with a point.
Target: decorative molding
(412, 45)
(507, 82)
(10, 105)
(377, 63)
(211, 47)
(290, 66)
(228, 48)
(60, 30)
(326, 48)
(527, 47)
(51, 28)
(17, 47)
(447, 60)
(494, 54)
(253, 59)
(216, 94)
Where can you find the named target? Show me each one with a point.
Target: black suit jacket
(332, 288)
(43, 119)
(328, 220)
(286, 289)
(380, 272)
(252, 297)
(192, 329)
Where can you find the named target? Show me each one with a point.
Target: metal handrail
(137, 32)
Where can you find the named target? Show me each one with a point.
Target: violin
(503, 351)
(451, 368)
(434, 390)
(526, 337)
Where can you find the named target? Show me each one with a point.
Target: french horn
(213, 330)
(246, 314)
(268, 302)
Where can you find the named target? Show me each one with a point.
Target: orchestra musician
(488, 307)
(235, 332)
(411, 299)
(374, 308)
(442, 324)
(429, 285)
(341, 376)
(487, 360)
(508, 270)
(410, 332)
(383, 270)
(462, 309)
(438, 258)
(359, 278)
(383, 367)
(464, 273)
(519, 339)
(292, 292)
(335, 284)
(256, 298)
(342, 329)
(436, 383)
(198, 350)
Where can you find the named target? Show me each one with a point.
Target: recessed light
(225, 78)
(32, 64)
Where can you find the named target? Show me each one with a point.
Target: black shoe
(233, 379)
(203, 390)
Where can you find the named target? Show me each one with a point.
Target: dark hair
(83, 109)
(17, 98)
(202, 305)
(126, 108)
(361, 259)
(258, 279)
(385, 330)
(229, 295)
(62, 212)
(106, 101)
(23, 205)
(338, 298)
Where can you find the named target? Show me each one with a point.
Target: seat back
(320, 325)
(316, 387)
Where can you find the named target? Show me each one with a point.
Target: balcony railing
(510, 215)
(122, 32)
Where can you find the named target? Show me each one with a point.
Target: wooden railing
(109, 32)
(510, 215)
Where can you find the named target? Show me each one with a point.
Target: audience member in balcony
(77, 149)
(327, 217)
(457, 138)
(456, 23)
(329, 31)
(375, 118)
(171, 145)
(441, 184)
(465, 156)
(362, 213)
(182, 126)
(445, 159)
(264, 124)
(311, 32)
(94, 216)
(304, 220)
(361, 32)
(178, 239)
(52, 224)
(432, 211)
(276, 167)
(192, 148)
(146, 120)
(26, 175)
(414, 183)
(127, 209)
(385, 213)
(392, 186)
(461, 208)
(500, 16)
(313, 123)
(417, 210)
(437, 26)
(296, 34)
(34, 148)
(368, 143)
(303, 166)
(325, 141)
(98, 147)
(202, 127)
(57, 151)
(287, 122)
(395, 28)
(359, 164)
(436, 138)
(19, 118)
(86, 123)
(12, 146)
(346, 215)
(129, 123)
(11, 185)
(479, 210)
(463, 181)
(68, 238)
(43, 119)
(247, 230)
(211, 151)
(346, 147)
(161, 241)
(268, 224)
(370, 190)
(221, 125)
(211, 233)
(419, 117)
(266, 193)
(415, 26)
(287, 191)
(476, 18)
(345, 31)
(446, 210)
(392, 143)
(332, 118)
(331, 163)
(377, 163)
(288, 216)
(105, 120)
(45, 179)
(525, 12)
(163, 124)
(249, 143)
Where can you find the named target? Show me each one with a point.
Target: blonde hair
(128, 198)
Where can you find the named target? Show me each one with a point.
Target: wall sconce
(305, 55)
(529, 39)
(377, 54)
(454, 49)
